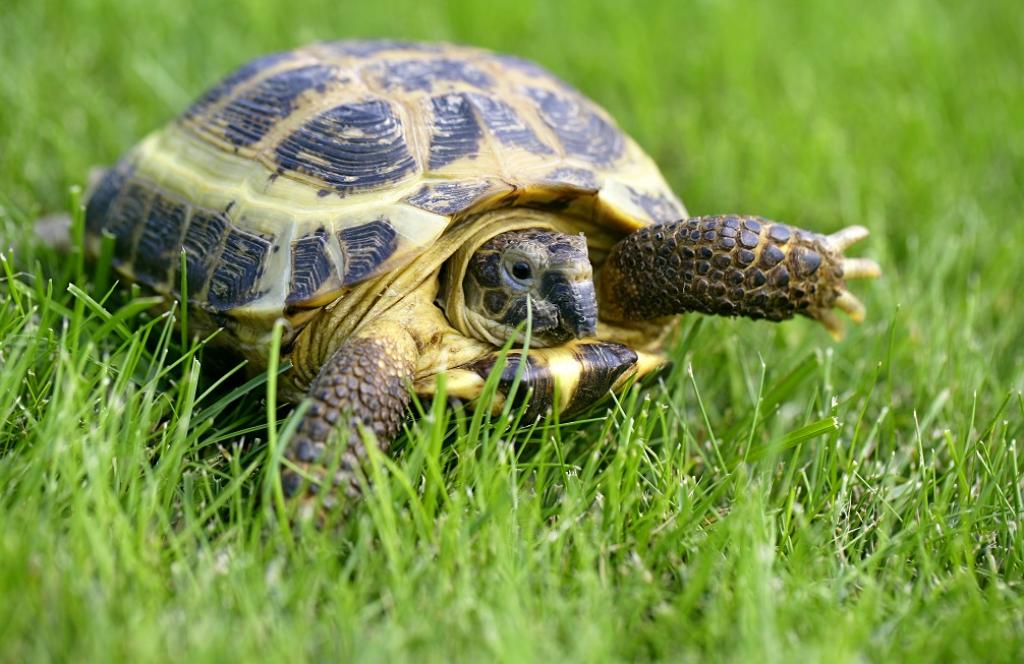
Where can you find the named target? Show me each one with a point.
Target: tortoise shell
(306, 172)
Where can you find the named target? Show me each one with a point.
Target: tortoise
(408, 209)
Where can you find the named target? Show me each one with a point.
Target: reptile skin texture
(363, 385)
(726, 265)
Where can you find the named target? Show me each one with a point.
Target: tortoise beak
(582, 319)
(575, 301)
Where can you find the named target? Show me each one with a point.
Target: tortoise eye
(521, 271)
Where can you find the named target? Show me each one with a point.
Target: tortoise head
(543, 272)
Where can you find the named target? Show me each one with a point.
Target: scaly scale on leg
(733, 266)
(364, 384)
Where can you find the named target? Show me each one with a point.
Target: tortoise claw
(853, 268)
(843, 239)
(849, 304)
(860, 268)
(832, 323)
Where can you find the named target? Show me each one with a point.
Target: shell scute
(312, 268)
(102, 199)
(365, 249)
(658, 206)
(160, 240)
(601, 365)
(506, 125)
(582, 131)
(351, 147)
(455, 132)
(524, 66)
(423, 74)
(449, 198)
(123, 221)
(235, 280)
(238, 77)
(570, 176)
(202, 242)
(252, 113)
(534, 377)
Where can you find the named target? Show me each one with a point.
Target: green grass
(777, 497)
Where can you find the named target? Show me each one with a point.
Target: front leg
(733, 266)
(363, 385)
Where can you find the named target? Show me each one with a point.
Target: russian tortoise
(404, 208)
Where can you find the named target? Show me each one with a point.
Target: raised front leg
(365, 384)
(733, 266)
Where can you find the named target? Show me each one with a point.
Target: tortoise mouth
(576, 305)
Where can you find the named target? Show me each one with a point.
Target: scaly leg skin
(733, 266)
(364, 385)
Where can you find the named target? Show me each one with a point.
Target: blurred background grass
(905, 117)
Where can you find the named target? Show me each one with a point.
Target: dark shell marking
(581, 130)
(452, 197)
(577, 177)
(248, 117)
(536, 382)
(128, 210)
(202, 243)
(660, 208)
(102, 199)
(239, 268)
(422, 74)
(601, 365)
(160, 241)
(351, 147)
(455, 132)
(233, 80)
(151, 227)
(366, 248)
(506, 125)
(311, 266)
